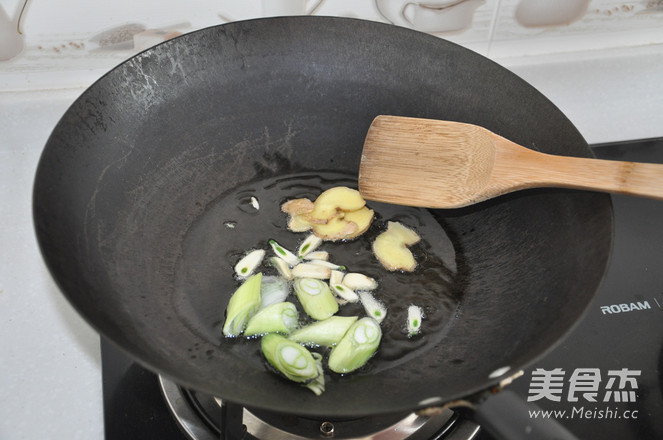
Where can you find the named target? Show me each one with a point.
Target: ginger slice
(362, 217)
(336, 229)
(297, 206)
(299, 223)
(339, 213)
(338, 198)
(390, 247)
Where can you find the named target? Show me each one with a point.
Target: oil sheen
(249, 216)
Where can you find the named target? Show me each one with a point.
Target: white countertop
(50, 383)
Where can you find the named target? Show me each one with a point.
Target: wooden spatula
(442, 164)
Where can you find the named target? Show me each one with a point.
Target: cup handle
(404, 12)
(316, 5)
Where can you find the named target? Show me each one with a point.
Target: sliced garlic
(317, 255)
(327, 264)
(282, 267)
(358, 281)
(308, 270)
(248, 264)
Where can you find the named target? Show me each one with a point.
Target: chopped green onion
(414, 317)
(273, 290)
(275, 318)
(316, 298)
(344, 293)
(290, 359)
(242, 305)
(283, 253)
(248, 264)
(309, 245)
(325, 333)
(356, 347)
(374, 308)
(317, 385)
(336, 277)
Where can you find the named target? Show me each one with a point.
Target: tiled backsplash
(605, 24)
(69, 43)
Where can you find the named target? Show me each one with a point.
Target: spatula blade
(424, 163)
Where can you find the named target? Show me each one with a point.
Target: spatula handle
(525, 168)
(632, 178)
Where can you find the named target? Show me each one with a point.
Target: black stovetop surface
(604, 381)
(621, 333)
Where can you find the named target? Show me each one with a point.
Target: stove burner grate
(201, 416)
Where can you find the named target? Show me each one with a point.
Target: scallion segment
(311, 243)
(275, 318)
(324, 333)
(315, 297)
(344, 293)
(248, 264)
(283, 253)
(317, 385)
(289, 358)
(242, 305)
(336, 277)
(273, 290)
(356, 347)
(414, 317)
(374, 308)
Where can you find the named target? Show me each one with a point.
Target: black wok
(131, 205)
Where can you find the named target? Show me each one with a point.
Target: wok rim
(143, 360)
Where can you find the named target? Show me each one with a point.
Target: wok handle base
(505, 415)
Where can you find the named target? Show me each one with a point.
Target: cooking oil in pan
(249, 216)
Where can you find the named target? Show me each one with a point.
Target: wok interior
(153, 147)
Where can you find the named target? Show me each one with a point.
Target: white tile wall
(62, 45)
(606, 24)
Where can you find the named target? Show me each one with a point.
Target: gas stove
(603, 381)
(139, 404)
